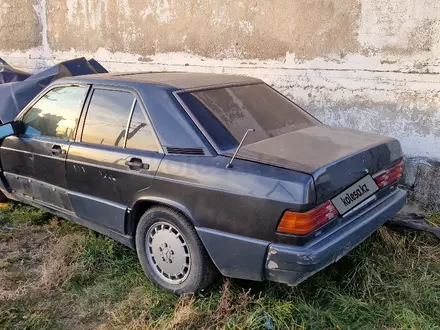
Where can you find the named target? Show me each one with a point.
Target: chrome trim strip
(129, 121)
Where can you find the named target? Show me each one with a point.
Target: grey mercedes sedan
(201, 174)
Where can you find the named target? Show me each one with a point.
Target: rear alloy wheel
(168, 252)
(171, 252)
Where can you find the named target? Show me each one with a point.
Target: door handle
(136, 163)
(57, 150)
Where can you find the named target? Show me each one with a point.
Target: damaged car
(18, 88)
(201, 174)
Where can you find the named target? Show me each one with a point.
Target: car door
(33, 163)
(108, 164)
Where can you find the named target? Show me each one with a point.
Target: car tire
(171, 253)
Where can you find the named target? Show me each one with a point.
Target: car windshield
(226, 113)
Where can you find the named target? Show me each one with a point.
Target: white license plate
(355, 194)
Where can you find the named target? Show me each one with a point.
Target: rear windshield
(226, 113)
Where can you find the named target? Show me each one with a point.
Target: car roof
(178, 80)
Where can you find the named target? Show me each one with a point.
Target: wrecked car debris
(9, 74)
(412, 221)
(15, 95)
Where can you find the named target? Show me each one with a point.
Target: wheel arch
(247, 264)
(141, 205)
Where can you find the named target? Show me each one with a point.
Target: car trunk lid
(335, 157)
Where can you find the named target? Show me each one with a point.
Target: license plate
(355, 194)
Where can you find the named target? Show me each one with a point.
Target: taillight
(303, 223)
(389, 176)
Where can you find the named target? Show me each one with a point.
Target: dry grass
(55, 275)
(190, 312)
(62, 262)
(20, 253)
(185, 315)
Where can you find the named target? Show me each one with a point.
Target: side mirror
(11, 128)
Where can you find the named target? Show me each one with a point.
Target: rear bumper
(293, 264)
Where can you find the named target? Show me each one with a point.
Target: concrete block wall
(372, 65)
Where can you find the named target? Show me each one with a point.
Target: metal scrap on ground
(412, 220)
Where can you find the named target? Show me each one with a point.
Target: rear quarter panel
(247, 199)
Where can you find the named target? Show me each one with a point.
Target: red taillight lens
(304, 223)
(389, 176)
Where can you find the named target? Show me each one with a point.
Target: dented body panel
(292, 264)
(99, 179)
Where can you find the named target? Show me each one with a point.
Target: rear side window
(216, 130)
(227, 112)
(140, 134)
(107, 117)
(56, 113)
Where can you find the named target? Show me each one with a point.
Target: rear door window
(140, 133)
(56, 113)
(107, 117)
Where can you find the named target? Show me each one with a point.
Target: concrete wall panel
(372, 65)
(20, 28)
(213, 28)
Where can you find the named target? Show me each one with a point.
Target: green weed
(391, 281)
